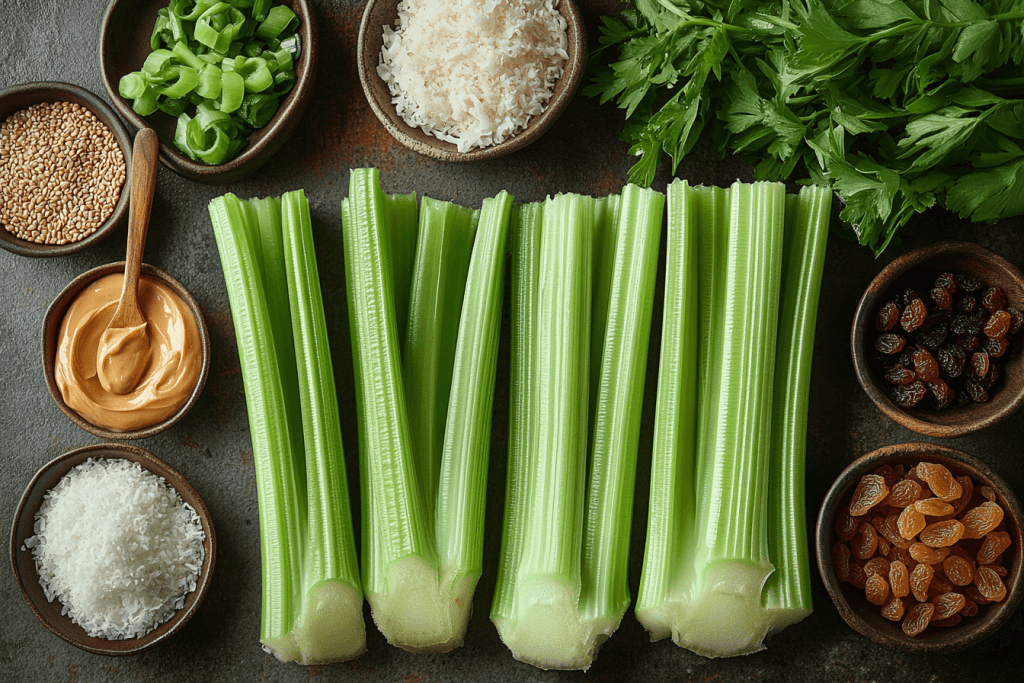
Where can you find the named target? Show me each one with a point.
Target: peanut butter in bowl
(168, 367)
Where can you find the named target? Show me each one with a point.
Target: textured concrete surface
(57, 40)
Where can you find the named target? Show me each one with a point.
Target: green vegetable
(312, 600)
(216, 55)
(897, 105)
(422, 549)
(726, 557)
(562, 585)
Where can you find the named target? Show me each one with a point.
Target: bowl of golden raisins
(919, 548)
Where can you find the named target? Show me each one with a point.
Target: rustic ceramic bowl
(51, 338)
(865, 617)
(19, 97)
(24, 566)
(380, 13)
(124, 46)
(927, 262)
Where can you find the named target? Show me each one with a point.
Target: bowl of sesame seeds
(64, 158)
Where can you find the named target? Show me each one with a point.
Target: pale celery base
(331, 628)
(546, 630)
(421, 613)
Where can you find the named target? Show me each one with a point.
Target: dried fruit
(933, 337)
(890, 343)
(942, 394)
(921, 581)
(942, 534)
(979, 363)
(951, 360)
(948, 604)
(888, 316)
(899, 579)
(968, 283)
(917, 618)
(942, 298)
(893, 610)
(913, 315)
(940, 480)
(927, 555)
(993, 546)
(989, 584)
(967, 304)
(998, 569)
(933, 507)
(884, 547)
(974, 594)
(982, 519)
(989, 380)
(970, 607)
(1016, 320)
(967, 342)
(890, 529)
(870, 491)
(993, 299)
(996, 347)
(911, 522)
(946, 281)
(976, 391)
(904, 493)
(988, 493)
(876, 565)
(998, 326)
(890, 475)
(910, 395)
(925, 365)
(902, 555)
(966, 494)
(841, 561)
(947, 622)
(865, 542)
(856, 576)
(846, 525)
(876, 588)
(965, 324)
(958, 570)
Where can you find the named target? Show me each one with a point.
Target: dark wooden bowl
(19, 97)
(865, 617)
(28, 579)
(124, 46)
(51, 333)
(956, 257)
(380, 13)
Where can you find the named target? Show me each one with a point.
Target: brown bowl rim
(981, 416)
(62, 626)
(446, 151)
(996, 615)
(273, 136)
(56, 91)
(51, 329)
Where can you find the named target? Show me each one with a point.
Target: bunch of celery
(312, 600)
(726, 556)
(425, 389)
(583, 291)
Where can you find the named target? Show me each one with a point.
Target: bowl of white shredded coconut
(112, 548)
(470, 80)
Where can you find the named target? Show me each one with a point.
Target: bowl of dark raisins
(936, 339)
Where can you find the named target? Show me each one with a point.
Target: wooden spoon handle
(143, 183)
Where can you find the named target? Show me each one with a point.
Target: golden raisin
(903, 555)
(921, 580)
(948, 604)
(917, 618)
(877, 589)
(899, 579)
(911, 522)
(890, 475)
(846, 525)
(982, 519)
(927, 555)
(933, 507)
(904, 493)
(857, 576)
(998, 569)
(958, 570)
(870, 491)
(940, 584)
(865, 543)
(841, 561)
(884, 547)
(947, 622)
(970, 607)
(961, 503)
(989, 584)
(976, 595)
(876, 565)
(890, 529)
(940, 480)
(942, 534)
(988, 493)
(893, 610)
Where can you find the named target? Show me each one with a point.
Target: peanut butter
(170, 340)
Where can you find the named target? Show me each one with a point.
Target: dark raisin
(890, 343)
(977, 392)
(942, 394)
(910, 395)
(1016, 320)
(942, 299)
(925, 365)
(951, 360)
(979, 364)
(998, 325)
(967, 304)
(934, 337)
(996, 347)
(989, 380)
(965, 324)
(968, 283)
(907, 297)
(967, 342)
(888, 316)
(906, 358)
(946, 281)
(962, 398)
(913, 315)
(898, 374)
(993, 299)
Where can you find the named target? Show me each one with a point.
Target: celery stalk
(606, 223)
(403, 232)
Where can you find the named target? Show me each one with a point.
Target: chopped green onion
(186, 55)
(145, 104)
(257, 109)
(232, 91)
(279, 19)
(209, 82)
(185, 80)
(131, 86)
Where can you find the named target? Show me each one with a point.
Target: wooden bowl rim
(63, 626)
(951, 639)
(51, 329)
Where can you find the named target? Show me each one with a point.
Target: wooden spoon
(123, 353)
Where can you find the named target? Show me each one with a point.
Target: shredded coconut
(473, 72)
(118, 547)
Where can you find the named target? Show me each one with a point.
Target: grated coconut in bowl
(473, 72)
(118, 547)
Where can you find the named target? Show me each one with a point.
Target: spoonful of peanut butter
(124, 353)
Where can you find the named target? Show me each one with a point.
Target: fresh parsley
(895, 104)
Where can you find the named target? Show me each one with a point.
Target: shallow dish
(51, 333)
(865, 617)
(19, 97)
(957, 257)
(124, 46)
(380, 13)
(24, 566)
